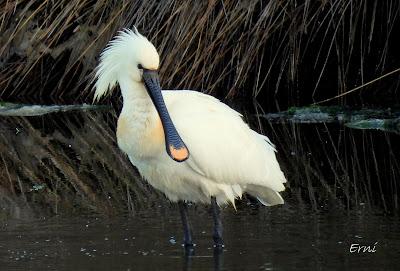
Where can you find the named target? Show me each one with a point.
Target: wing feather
(222, 147)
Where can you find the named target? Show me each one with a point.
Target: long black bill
(175, 146)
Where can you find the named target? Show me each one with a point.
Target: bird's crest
(118, 58)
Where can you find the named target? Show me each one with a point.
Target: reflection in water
(68, 162)
(189, 253)
(330, 165)
(189, 256)
(65, 162)
(218, 259)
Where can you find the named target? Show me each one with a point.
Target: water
(257, 239)
(71, 201)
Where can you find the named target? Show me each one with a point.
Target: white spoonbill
(188, 145)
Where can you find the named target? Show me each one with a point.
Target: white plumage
(226, 159)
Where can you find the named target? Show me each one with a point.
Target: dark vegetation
(295, 51)
(66, 163)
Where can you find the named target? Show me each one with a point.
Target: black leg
(188, 242)
(217, 234)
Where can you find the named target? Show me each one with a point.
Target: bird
(187, 144)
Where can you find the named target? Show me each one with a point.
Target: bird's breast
(141, 139)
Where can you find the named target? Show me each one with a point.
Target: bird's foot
(188, 244)
(219, 246)
(218, 243)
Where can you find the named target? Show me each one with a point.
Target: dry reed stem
(226, 48)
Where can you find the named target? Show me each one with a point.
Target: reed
(295, 51)
(66, 163)
(329, 165)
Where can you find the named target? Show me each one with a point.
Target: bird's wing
(222, 147)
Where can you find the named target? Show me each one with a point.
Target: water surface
(256, 239)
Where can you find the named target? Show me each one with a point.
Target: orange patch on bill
(179, 154)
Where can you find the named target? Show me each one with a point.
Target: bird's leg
(217, 234)
(188, 242)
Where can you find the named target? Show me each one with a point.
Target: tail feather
(265, 195)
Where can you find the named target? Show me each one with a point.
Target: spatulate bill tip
(178, 154)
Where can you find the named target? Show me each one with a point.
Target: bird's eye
(140, 66)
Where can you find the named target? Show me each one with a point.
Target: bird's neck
(136, 101)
